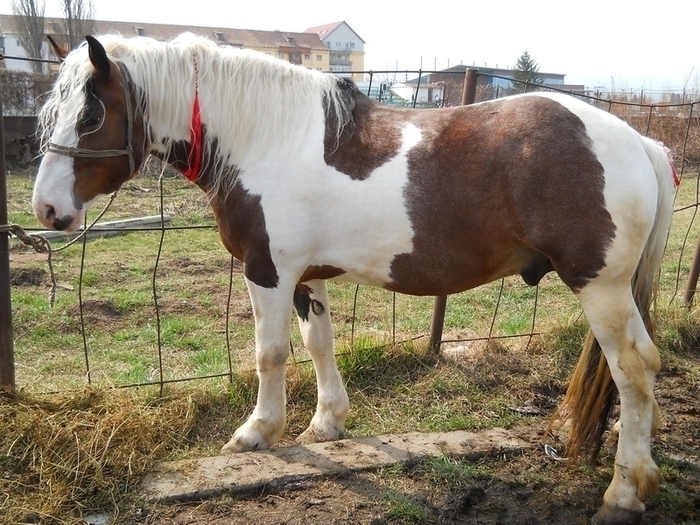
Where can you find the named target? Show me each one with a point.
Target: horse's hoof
(314, 435)
(239, 444)
(233, 447)
(615, 516)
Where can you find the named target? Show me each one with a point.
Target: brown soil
(27, 277)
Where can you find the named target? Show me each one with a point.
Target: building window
(307, 57)
(319, 57)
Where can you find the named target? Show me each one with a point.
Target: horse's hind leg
(634, 361)
(313, 312)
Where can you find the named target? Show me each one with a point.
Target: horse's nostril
(50, 212)
(62, 223)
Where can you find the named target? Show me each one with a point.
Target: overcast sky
(625, 43)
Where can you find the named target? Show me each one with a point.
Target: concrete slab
(108, 229)
(248, 471)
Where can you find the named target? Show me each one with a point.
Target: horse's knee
(271, 358)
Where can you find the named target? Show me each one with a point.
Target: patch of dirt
(209, 267)
(99, 313)
(27, 276)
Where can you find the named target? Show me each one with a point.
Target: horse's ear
(59, 51)
(98, 57)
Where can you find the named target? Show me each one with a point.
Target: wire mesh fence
(166, 303)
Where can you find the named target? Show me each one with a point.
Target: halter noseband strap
(70, 151)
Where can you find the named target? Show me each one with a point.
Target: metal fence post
(440, 303)
(7, 354)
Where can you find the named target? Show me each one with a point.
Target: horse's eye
(90, 121)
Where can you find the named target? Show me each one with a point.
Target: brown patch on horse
(95, 176)
(508, 187)
(239, 214)
(320, 272)
(303, 303)
(241, 222)
(367, 142)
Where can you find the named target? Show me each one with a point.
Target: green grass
(445, 473)
(192, 280)
(401, 509)
(191, 286)
(119, 307)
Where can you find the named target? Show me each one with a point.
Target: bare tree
(30, 25)
(79, 20)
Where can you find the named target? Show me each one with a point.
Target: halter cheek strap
(83, 153)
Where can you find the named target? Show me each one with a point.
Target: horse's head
(93, 136)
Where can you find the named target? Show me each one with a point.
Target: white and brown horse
(310, 180)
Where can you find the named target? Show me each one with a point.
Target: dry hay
(64, 456)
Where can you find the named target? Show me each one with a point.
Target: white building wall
(12, 48)
(344, 39)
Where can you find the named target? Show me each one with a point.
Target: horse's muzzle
(47, 215)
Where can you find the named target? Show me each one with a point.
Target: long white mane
(250, 102)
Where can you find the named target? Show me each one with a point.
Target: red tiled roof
(324, 30)
(249, 38)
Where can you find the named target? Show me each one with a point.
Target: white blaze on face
(53, 197)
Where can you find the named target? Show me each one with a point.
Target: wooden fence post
(693, 277)
(440, 303)
(7, 353)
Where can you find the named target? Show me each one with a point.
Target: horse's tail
(591, 393)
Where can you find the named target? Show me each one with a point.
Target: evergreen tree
(526, 70)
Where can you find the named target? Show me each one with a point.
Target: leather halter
(70, 151)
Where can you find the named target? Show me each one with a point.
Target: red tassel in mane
(196, 143)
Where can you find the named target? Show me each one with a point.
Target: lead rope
(42, 245)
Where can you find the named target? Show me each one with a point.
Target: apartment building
(331, 47)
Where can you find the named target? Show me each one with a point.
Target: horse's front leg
(272, 308)
(314, 315)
